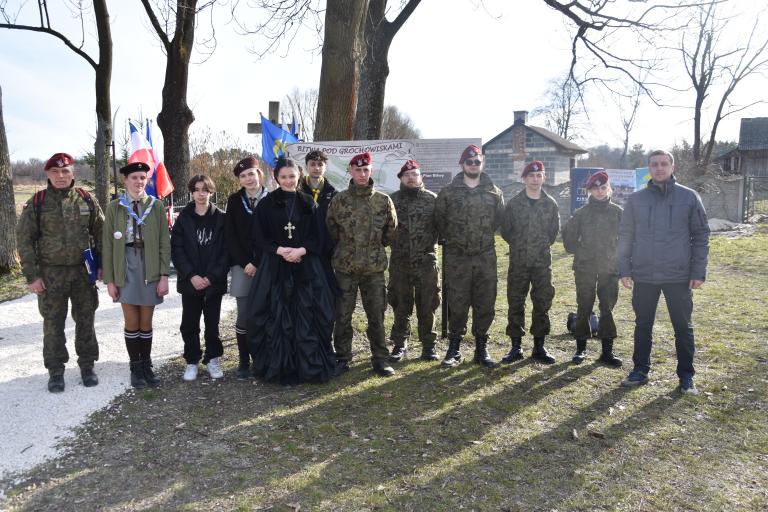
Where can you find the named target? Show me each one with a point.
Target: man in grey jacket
(663, 247)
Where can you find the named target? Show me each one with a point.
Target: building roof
(753, 134)
(551, 136)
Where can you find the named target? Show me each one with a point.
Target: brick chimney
(521, 116)
(518, 134)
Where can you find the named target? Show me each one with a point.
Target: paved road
(32, 420)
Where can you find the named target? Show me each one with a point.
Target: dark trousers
(538, 280)
(679, 298)
(192, 307)
(605, 287)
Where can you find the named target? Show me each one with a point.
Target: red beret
(134, 167)
(535, 166)
(598, 179)
(408, 166)
(471, 150)
(361, 160)
(59, 160)
(248, 162)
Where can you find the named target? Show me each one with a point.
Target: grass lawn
(520, 437)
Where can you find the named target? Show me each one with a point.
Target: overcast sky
(458, 68)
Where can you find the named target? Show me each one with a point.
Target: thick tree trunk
(374, 72)
(8, 256)
(103, 70)
(175, 117)
(343, 51)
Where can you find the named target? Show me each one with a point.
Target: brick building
(507, 153)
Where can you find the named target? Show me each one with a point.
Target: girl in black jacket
(199, 255)
(244, 256)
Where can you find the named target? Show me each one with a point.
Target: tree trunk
(340, 72)
(9, 259)
(102, 146)
(175, 117)
(374, 72)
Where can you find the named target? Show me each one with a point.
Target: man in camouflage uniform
(413, 264)
(592, 236)
(467, 212)
(530, 226)
(56, 226)
(361, 222)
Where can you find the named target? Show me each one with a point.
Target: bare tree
(379, 33)
(343, 51)
(628, 106)
(177, 18)
(397, 125)
(303, 106)
(709, 64)
(564, 107)
(103, 69)
(9, 259)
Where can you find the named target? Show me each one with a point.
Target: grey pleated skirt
(135, 291)
(240, 284)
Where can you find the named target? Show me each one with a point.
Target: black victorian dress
(291, 305)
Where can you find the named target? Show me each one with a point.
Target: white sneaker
(190, 373)
(214, 368)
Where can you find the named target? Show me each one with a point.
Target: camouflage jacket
(416, 237)
(67, 227)
(467, 218)
(361, 222)
(530, 230)
(592, 235)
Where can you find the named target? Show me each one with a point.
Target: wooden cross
(289, 228)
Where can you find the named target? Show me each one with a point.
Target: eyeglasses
(473, 162)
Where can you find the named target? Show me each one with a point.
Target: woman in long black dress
(291, 303)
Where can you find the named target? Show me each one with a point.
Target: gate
(755, 196)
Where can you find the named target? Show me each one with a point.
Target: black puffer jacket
(198, 248)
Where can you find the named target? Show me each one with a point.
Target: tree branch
(55, 34)
(156, 25)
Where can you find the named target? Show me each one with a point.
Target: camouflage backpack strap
(89, 201)
(37, 204)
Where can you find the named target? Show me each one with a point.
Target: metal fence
(755, 196)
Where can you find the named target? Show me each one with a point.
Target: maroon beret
(471, 150)
(535, 166)
(134, 167)
(408, 166)
(59, 160)
(361, 160)
(248, 162)
(598, 179)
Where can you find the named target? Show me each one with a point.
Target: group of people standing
(298, 256)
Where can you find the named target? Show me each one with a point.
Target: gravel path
(32, 420)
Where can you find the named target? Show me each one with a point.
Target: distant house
(507, 153)
(753, 147)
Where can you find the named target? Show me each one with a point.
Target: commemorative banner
(439, 159)
(623, 183)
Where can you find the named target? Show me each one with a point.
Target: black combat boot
(481, 353)
(244, 366)
(149, 375)
(429, 354)
(89, 377)
(581, 351)
(453, 357)
(515, 353)
(539, 353)
(138, 380)
(398, 353)
(382, 369)
(607, 356)
(56, 383)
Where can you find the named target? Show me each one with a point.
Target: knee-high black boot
(146, 358)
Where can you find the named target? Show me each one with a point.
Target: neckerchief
(132, 215)
(258, 197)
(315, 191)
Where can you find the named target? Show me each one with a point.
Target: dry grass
(521, 437)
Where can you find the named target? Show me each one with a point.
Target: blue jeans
(679, 299)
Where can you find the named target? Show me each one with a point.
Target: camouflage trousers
(606, 288)
(374, 296)
(521, 279)
(470, 281)
(62, 285)
(408, 286)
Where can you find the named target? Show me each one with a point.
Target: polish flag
(158, 182)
